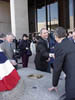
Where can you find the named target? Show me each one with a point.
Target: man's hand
(13, 62)
(51, 55)
(48, 60)
(52, 89)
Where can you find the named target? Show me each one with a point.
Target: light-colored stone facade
(14, 17)
(5, 21)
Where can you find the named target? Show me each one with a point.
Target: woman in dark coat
(64, 61)
(24, 46)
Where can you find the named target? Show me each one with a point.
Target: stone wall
(5, 22)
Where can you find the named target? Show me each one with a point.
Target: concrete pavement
(33, 89)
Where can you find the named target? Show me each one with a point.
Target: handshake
(51, 55)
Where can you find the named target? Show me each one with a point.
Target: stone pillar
(63, 9)
(19, 17)
(13, 24)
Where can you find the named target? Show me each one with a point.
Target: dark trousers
(69, 99)
(50, 65)
(25, 60)
(63, 97)
(44, 70)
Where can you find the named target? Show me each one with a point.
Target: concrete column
(19, 17)
(63, 8)
(13, 24)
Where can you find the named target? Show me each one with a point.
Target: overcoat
(65, 60)
(42, 55)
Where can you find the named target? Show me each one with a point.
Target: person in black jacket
(42, 51)
(24, 46)
(64, 61)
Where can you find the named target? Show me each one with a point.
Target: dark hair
(70, 32)
(60, 32)
(2, 35)
(24, 35)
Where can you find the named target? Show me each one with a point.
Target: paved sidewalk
(30, 63)
(34, 89)
(37, 89)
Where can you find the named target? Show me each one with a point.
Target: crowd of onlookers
(54, 51)
(27, 46)
(18, 49)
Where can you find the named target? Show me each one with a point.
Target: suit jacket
(8, 50)
(42, 54)
(65, 60)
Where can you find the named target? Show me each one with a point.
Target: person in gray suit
(8, 47)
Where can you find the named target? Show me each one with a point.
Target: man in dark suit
(64, 61)
(42, 51)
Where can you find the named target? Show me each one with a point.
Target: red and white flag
(8, 75)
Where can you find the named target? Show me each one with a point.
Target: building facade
(24, 16)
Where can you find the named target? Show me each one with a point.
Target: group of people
(8, 74)
(27, 48)
(64, 59)
(63, 55)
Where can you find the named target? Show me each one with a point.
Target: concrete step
(14, 94)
